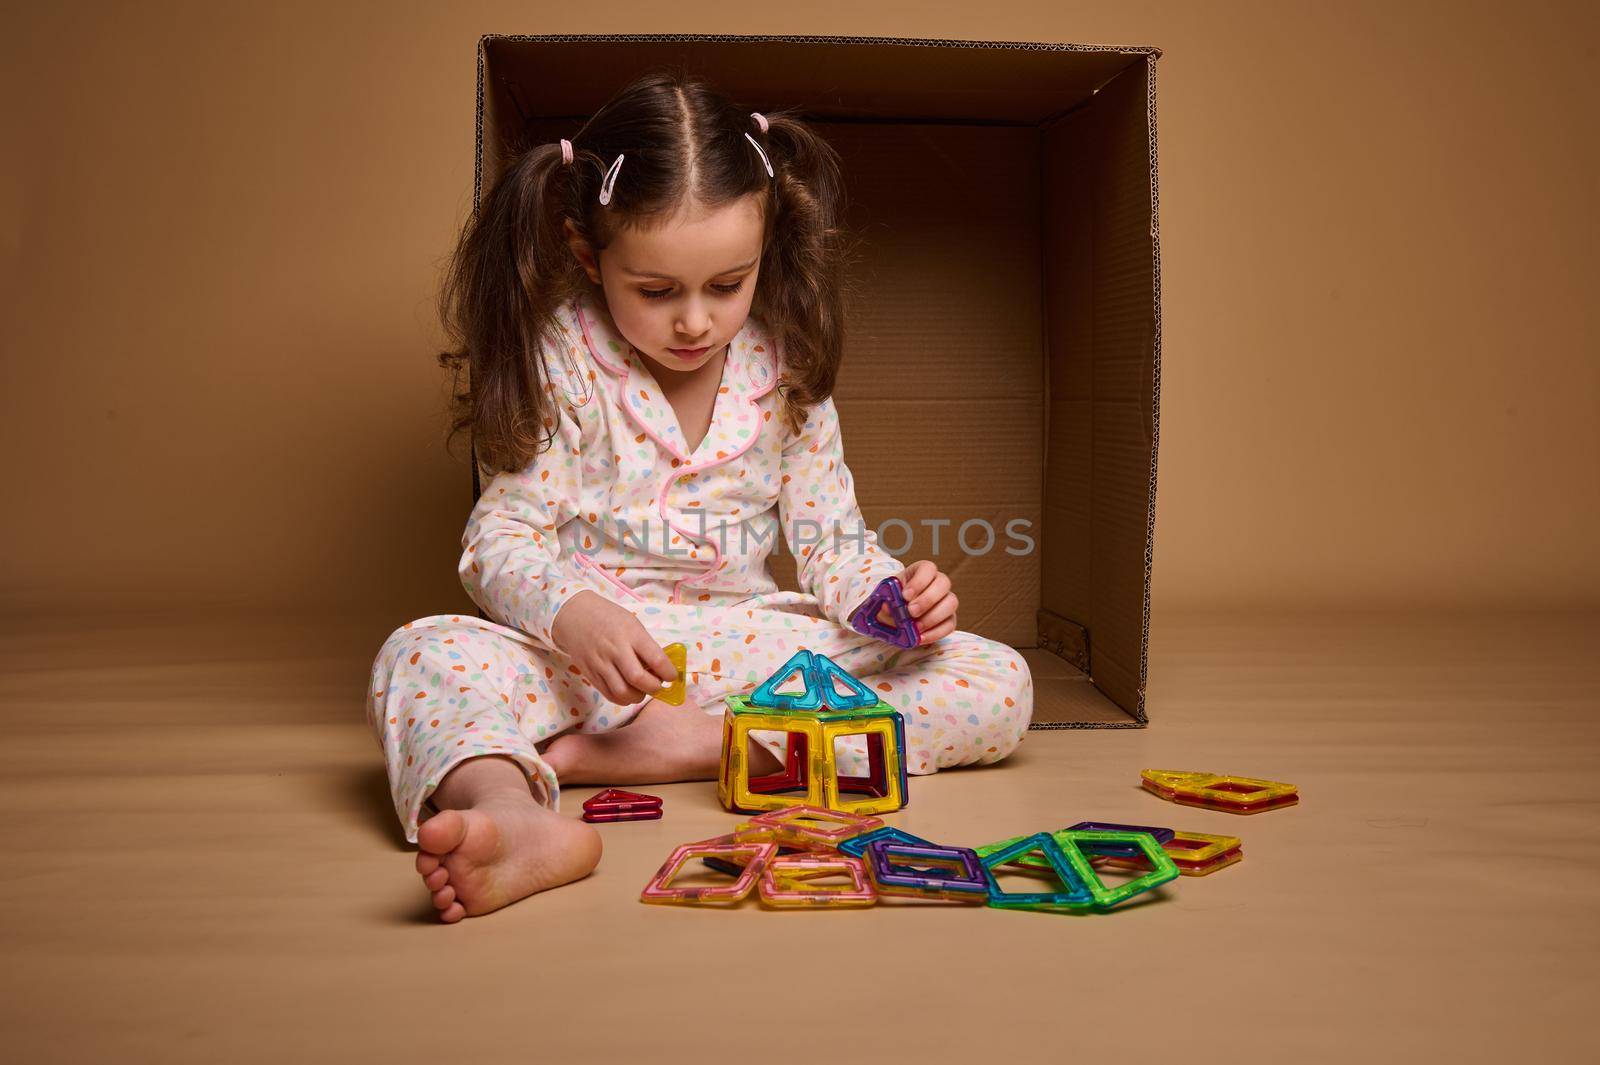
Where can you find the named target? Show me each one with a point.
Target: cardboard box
(1005, 365)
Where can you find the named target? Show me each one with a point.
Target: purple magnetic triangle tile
(864, 620)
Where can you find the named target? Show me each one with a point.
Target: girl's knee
(989, 719)
(405, 646)
(444, 646)
(1003, 674)
(1015, 702)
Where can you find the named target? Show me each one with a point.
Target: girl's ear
(581, 250)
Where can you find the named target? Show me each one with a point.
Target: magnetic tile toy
(754, 859)
(729, 865)
(673, 694)
(1221, 861)
(1070, 876)
(1212, 791)
(722, 865)
(884, 787)
(1033, 861)
(636, 815)
(614, 804)
(1162, 869)
(810, 773)
(1194, 853)
(767, 697)
(733, 868)
(828, 675)
(1206, 868)
(1195, 847)
(1161, 835)
(1029, 861)
(954, 874)
(902, 632)
(1120, 847)
(855, 846)
(822, 677)
(789, 882)
(795, 784)
(807, 826)
(615, 800)
(1069, 859)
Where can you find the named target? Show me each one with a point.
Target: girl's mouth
(690, 353)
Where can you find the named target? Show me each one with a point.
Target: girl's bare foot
(662, 744)
(503, 847)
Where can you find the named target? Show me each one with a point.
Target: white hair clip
(763, 155)
(611, 179)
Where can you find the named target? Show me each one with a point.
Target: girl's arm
(512, 564)
(817, 496)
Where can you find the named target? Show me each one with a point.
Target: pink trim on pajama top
(620, 505)
(655, 519)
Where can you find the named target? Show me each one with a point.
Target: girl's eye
(657, 294)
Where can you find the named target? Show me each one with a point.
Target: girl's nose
(694, 323)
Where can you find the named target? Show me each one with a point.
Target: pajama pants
(451, 687)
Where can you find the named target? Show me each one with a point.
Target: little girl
(651, 315)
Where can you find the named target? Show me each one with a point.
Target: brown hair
(685, 142)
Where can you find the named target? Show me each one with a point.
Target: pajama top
(621, 506)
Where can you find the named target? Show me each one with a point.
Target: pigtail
(510, 270)
(808, 258)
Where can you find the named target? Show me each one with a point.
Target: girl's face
(680, 293)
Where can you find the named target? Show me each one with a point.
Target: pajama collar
(748, 373)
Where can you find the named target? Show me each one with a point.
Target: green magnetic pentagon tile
(1075, 893)
(1162, 867)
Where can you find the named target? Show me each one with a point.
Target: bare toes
(444, 897)
(426, 863)
(453, 914)
(441, 833)
(437, 879)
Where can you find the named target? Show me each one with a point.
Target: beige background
(223, 231)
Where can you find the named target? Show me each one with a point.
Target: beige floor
(203, 867)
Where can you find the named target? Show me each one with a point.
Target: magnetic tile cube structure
(814, 720)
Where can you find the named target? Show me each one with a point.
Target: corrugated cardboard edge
(1155, 378)
(1151, 54)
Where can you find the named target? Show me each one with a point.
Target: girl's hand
(930, 600)
(615, 653)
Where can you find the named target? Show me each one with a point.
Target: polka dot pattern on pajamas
(618, 506)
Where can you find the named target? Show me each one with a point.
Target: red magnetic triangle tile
(618, 795)
(613, 798)
(595, 816)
